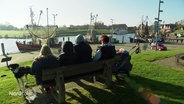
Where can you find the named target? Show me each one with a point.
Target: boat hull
(34, 47)
(27, 47)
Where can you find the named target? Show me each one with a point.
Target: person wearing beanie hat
(82, 49)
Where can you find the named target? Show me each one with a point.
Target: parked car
(160, 46)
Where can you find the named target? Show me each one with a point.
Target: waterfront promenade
(27, 56)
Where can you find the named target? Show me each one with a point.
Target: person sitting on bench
(68, 57)
(82, 49)
(45, 60)
(106, 50)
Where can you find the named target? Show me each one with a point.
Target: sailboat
(143, 31)
(90, 36)
(39, 35)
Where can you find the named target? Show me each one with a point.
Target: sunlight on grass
(163, 81)
(166, 82)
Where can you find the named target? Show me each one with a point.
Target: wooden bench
(61, 75)
(179, 57)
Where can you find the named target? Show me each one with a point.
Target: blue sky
(77, 12)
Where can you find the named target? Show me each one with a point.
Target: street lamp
(54, 15)
(112, 24)
(95, 16)
(157, 22)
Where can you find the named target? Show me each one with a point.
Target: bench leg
(177, 60)
(61, 87)
(94, 79)
(108, 74)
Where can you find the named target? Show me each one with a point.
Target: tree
(7, 27)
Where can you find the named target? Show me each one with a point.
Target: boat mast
(33, 24)
(142, 24)
(32, 16)
(112, 26)
(93, 19)
(91, 27)
(39, 16)
(146, 30)
(48, 42)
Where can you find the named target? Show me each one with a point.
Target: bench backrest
(78, 69)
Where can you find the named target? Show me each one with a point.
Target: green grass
(179, 32)
(166, 82)
(13, 33)
(8, 84)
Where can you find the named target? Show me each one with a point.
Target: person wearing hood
(82, 49)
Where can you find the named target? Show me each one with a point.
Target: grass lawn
(166, 82)
(13, 33)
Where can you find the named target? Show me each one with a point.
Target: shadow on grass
(120, 93)
(171, 94)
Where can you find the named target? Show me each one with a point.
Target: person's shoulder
(48, 57)
(39, 58)
(106, 49)
(76, 46)
(61, 54)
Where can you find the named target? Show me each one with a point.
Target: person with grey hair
(82, 49)
(79, 38)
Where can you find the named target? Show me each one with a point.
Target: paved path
(19, 57)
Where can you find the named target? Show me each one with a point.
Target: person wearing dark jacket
(83, 50)
(45, 60)
(106, 50)
(68, 57)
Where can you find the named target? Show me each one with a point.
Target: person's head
(68, 47)
(79, 38)
(104, 39)
(45, 50)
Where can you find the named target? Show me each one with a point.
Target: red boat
(24, 47)
(27, 47)
(39, 35)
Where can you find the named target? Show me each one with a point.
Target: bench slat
(68, 71)
(73, 70)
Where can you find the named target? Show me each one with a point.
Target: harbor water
(10, 44)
